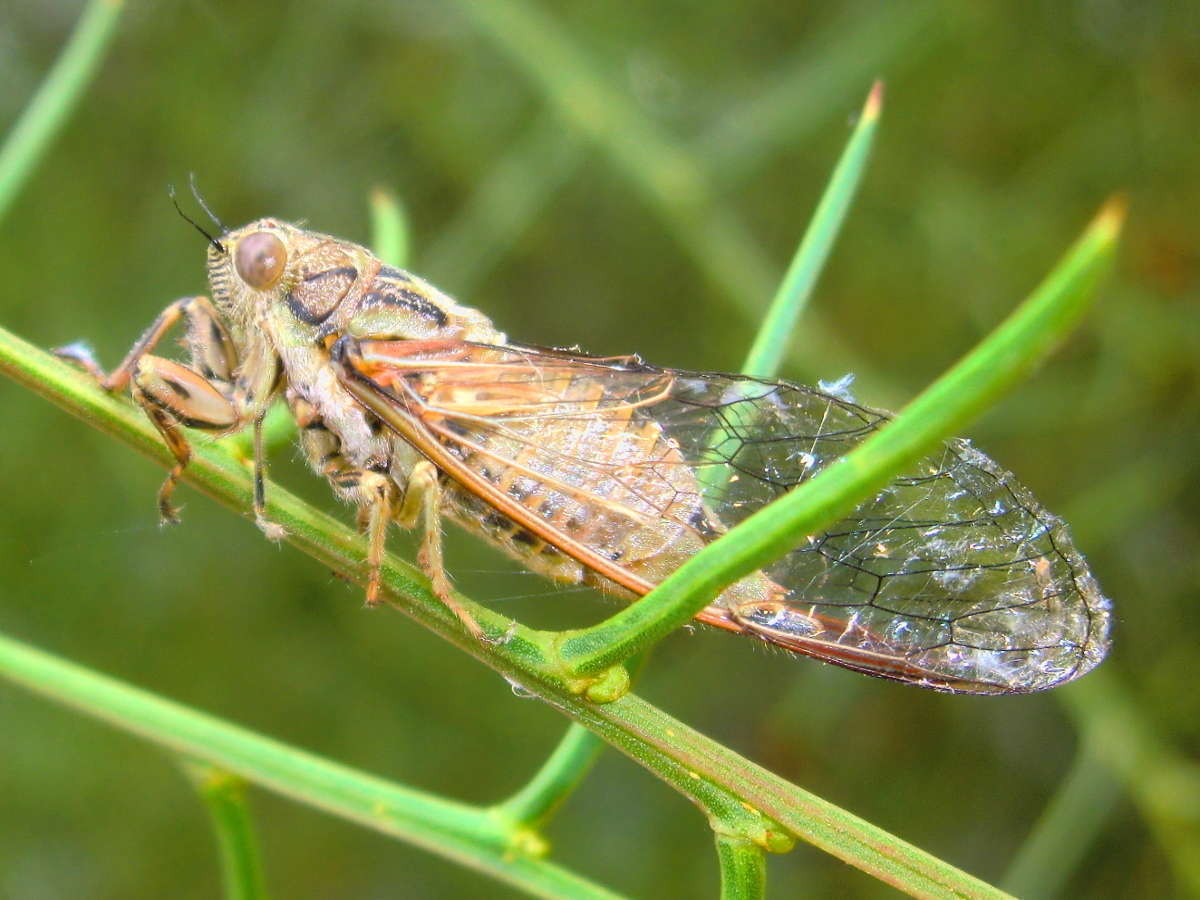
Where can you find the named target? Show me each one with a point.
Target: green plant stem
(224, 794)
(576, 752)
(940, 411)
(43, 118)
(770, 344)
(669, 176)
(801, 96)
(747, 799)
(559, 775)
(743, 868)
(466, 834)
(516, 188)
(389, 228)
(1059, 840)
(1165, 787)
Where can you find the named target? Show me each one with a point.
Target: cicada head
(320, 286)
(260, 265)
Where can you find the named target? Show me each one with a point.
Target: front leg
(203, 396)
(212, 352)
(172, 395)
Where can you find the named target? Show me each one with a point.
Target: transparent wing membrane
(952, 577)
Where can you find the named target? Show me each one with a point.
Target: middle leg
(380, 501)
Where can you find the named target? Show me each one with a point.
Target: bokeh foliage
(654, 215)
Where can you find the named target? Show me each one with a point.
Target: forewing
(952, 576)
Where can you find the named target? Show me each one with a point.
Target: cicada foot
(273, 530)
(81, 355)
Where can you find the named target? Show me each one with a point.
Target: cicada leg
(212, 353)
(422, 508)
(172, 394)
(373, 492)
(377, 496)
(273, 530)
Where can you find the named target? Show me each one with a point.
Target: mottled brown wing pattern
(952, 576)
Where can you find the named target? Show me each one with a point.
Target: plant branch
(466, 834)
(26, 143)
(540, 797)
(770, 344)
(389, 228)
(743, 868)
(224, 794)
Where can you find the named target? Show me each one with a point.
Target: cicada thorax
(324, 278)
(345, 290)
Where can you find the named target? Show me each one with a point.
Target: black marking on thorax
(302, 312)
(404, 298)
(394, 274)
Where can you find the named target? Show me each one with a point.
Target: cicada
(610, 472)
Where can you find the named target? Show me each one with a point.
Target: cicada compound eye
(260, 259)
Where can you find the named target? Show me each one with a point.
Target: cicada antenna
(203, 205)
(216, 245)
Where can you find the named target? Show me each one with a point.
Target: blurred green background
(626, 177)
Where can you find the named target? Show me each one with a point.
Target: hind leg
(422, 509)
(378, 500)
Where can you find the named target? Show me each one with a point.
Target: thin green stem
(747, 799)
(389, 228)
(940, 411)
(743, 868)
(1163, 785)
(791, 298)
(515, 190)
(559, 775)
(468, 835)
(1082, 803)
(670, 177)
(224, 794)
(785, 107)
(59, 92)
(571, 759)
